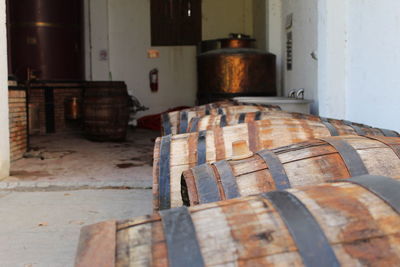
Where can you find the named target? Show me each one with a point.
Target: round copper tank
(46, 39)
(230, 72)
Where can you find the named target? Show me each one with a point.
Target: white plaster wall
(373, 84)
(260, 23)
(356, 42)
(4, 130)
(305, 41)
(122, 27)
(129, 35)
(274, 37)
(97, 39)
(221, 17)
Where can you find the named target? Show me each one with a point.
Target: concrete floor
(69, 182)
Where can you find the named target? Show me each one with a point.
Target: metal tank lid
(230, 51)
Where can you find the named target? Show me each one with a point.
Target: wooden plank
(97, 245)
(159, 246)
(134, 246)
(156, 174)
(223, 248)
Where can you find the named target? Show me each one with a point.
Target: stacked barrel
(248, 185)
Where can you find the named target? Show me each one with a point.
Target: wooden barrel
(177, 153)
(307, 163)
(354, 222)
(178, 121)
(211, 121)
(105, 111)
(170, 120)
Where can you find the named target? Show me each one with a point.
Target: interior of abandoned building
(68, 160)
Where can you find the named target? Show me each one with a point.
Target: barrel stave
(156, 174)
(159, 246)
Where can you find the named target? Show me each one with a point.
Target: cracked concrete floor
(66, 183)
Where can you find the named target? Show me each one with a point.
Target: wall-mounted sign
(103, 55)
(153, 53)
(289, 50)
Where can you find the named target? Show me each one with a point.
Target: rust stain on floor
(129, 165)
(26, 174)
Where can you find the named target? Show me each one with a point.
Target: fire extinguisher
(153, 77)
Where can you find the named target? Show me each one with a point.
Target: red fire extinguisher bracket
(153, 79)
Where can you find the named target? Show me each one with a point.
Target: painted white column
(97, 40)
(4, 128)
(373, 62)
(274, 37)
(332, 50)
(260, 23)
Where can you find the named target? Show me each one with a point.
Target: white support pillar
(332, 69)
(274, 37)
(4, 129)
(260, 23)
(97, 50)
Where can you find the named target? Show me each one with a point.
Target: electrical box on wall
(153, 53)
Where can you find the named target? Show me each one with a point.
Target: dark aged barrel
(177, 153)
(178, 121)
(221, 120)
(354, 222)
(106, 111)
(307, 163)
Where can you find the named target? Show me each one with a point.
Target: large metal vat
(46, 39)
(235, 70)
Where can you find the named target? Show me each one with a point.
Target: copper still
(46, 39)
(237, 42)
(235, 70)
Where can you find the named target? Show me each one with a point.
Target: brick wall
(60, 96)
(61, 92)
(18, 123)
